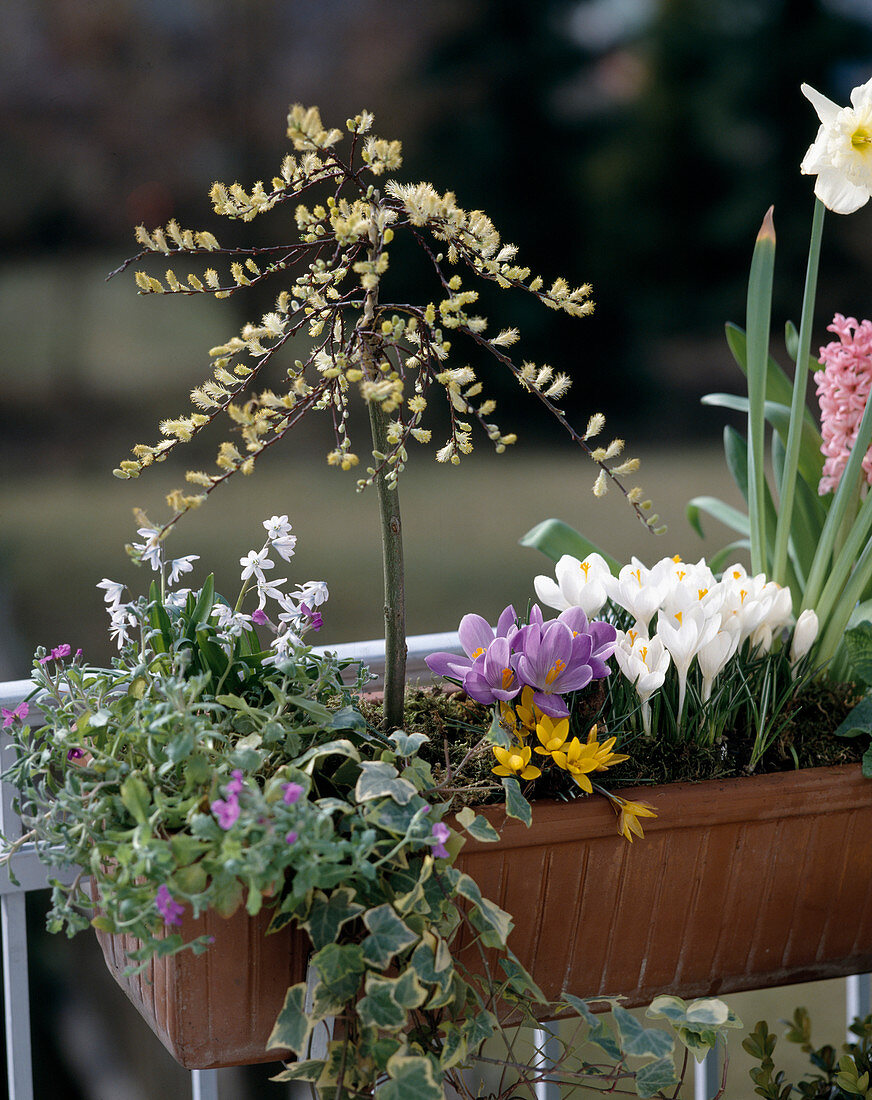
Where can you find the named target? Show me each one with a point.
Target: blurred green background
(635, 144)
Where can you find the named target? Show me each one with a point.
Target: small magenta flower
(57, 654)
(440, 833)
(169, 909)
(315, 619)
(236, 783)
(292, 792)
(227, 811)
(259, 617)
(75, 754)
(18, 714)
(291, 837)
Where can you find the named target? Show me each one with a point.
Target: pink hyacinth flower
(843, 389)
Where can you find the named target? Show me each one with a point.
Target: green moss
(457, 727)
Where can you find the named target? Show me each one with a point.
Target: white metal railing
(32, 875)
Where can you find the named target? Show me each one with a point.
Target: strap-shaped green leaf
(556, 538)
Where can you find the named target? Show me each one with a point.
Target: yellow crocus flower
(578, 759)
(603, 751)
(552, 734)
(629, 813)
(515, 761)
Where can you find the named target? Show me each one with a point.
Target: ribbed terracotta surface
(216, 1009)
(738, 884)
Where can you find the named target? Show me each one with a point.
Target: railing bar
(16, 995)
(204, 1084)
(858, 1000)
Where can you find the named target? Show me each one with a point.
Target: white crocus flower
(714, 654)
(841, 154)
(640, 591)
(761, 639)
(579, 584)
(684, 635)
(644, 662)
(804, 635)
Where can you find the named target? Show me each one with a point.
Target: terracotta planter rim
(682, 806)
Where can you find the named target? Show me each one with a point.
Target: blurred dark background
(635, 144)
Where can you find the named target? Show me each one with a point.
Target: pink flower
(291, 838)
(259, 617)
(19, 713)
(292, 792)
(440, 834)
(226, 812)
(843, 388)
(57, 654)
(169, 909)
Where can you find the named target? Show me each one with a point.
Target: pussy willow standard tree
(332, 287)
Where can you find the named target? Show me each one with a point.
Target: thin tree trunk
(394, 582)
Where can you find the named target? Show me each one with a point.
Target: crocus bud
(804, 634)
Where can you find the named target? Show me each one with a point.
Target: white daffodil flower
(841, 154)
(579, 584)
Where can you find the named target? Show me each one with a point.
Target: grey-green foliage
(836, 1076)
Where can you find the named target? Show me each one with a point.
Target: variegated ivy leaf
(378, 779)
(478, 827)
(496, 918)
(388, 935)
(293, 1026)
(387, 1000)
(341, 967)
(408, 743)
(639, 1041)
(412, 1077)
(656, 1076)
(328, 913)
(516, 805)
